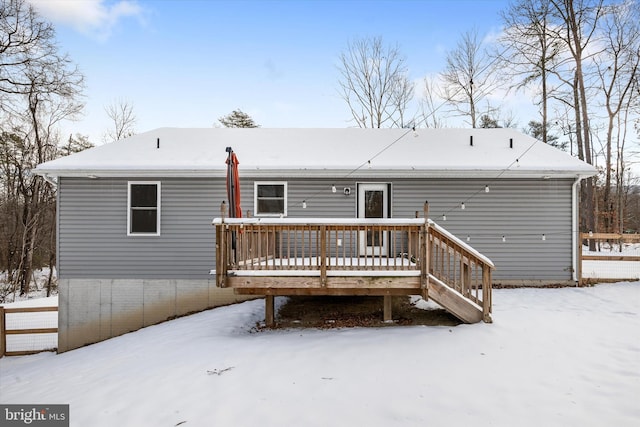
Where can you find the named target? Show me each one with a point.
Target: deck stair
(322, 256)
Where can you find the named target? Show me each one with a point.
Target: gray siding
(93, 230)
(520, 210)
(94, 242)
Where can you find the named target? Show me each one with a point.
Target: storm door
(373, 202)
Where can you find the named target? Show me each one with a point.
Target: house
(136, 245)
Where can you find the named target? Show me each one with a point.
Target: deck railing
(320, 244)
(460, 266)
(327, 247)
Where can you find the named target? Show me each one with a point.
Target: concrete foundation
(93, 310)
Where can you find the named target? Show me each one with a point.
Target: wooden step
(453, 301)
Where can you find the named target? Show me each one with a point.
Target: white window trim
(158, 207)
(255, 197)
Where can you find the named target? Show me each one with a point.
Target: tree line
(576, 59)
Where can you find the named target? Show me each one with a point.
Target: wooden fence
(5, 331)
(614, 255)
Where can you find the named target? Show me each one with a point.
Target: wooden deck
(347, 256)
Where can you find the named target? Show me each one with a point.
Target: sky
(188, 63)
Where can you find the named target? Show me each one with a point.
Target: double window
(143, 214)
(270, 198)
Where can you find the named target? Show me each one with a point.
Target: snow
(558, 357)
(611, 270)
(320, 221)
(37, 287)
(33, 302)
(593, 269)
(47, 319)
(323, 152)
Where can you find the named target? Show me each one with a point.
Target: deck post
(323, 255)
(221, 269)
(269, 313)
(387, 302)
(486, 294)
(223, 210)
(218, 257)
(465, 276)
(424, 252)
(579, 263)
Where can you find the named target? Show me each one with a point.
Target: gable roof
(264, 153)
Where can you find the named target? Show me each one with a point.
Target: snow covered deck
(357, 266)
(349, 256)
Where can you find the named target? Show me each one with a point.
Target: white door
(373, 202)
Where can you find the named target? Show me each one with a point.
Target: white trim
(158, 207)
(362, 187)
(266, 173)
(575, 231)
(255, 198)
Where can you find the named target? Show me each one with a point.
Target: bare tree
(469, 77)
(123, 120)
(431, 102)
(617, 69)
(575, 26)
(374, 83)
(528, 50)
(39, 87)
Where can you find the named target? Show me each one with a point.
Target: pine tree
(238, 119)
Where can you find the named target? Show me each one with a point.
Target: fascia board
(316, 173)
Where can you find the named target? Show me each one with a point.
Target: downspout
(50, 180)
(574, 227)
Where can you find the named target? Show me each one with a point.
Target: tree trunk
(30, 223)
(607, 203)
(545, 126)
(52, 262)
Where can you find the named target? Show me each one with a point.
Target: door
(373, 202)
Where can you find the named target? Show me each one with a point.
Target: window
(143, 216)
(270, 198)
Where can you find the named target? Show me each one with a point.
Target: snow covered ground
(612, 269)
(552, 357)
(38, 287)
(48, 319)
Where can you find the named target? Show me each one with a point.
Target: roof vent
(510, 142)
(471, 140)
(158, 143)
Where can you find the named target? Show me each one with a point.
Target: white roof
(341, 153)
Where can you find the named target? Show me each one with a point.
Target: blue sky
(187, 63)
